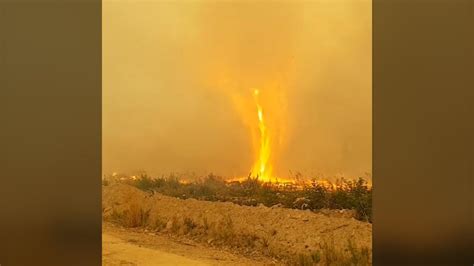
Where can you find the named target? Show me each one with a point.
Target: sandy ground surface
(132, 247)
(274, 233)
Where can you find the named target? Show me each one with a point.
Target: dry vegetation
(292, 237)
(353, 195)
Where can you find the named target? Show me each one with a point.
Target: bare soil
(122, 246)
(275, 233)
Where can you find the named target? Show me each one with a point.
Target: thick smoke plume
(178, 83)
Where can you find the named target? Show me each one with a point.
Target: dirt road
(119, 252)
(128, 247)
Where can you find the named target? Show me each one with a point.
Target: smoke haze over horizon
(178, 80)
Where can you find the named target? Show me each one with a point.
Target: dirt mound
(278, 232)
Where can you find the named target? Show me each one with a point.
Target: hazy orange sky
(178, 78)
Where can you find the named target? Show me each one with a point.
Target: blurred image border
(50, 78)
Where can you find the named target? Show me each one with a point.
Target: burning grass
(343, 194)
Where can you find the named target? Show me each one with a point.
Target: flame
(263, 112)
(262, 167)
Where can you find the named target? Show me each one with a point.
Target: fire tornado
(262, 167)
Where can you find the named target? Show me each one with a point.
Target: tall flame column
(261, 167)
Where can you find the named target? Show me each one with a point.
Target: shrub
(308, 259)
(159, 224)
(134, 216)
(189, 225)
(346, 194)
(144, 182)
(355, 257)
